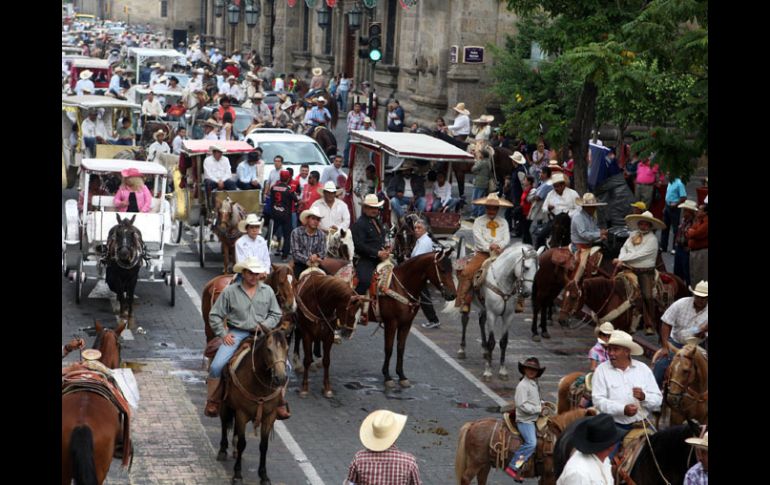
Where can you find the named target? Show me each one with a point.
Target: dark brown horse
(253, 392)
(686, 386)
(326, 140)
(125, 254)
(550, 279)
(90, 423)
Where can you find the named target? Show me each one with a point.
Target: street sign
(473, 55)
(453, 54)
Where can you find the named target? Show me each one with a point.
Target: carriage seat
(106, 202)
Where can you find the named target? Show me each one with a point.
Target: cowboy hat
(381, 429)
(317, 71)
(633, 220)
(159, 132)
(688, 204)
(200, 70)
(697, 442)
(286, 104)
(606, 328)
(313, 211)
(162, 79)
(282, 96)
(252, 264)
(130, 172)
(329, 187)
(118, 69)
(493, 200)
(460, 108)
(251, 220)
(157, 65)
(701, 289)
(368, 120)
(86, 74)
(531, 363)
(321, 99)
(518, 158)
(558, 178)
(484, 119)
(622, 339)
(640, 205)
(91, 354)
(596, 433)
(589, 200)
(216, 148)
(371, 200)
(554, 164)
(258, 95)
(230, 61)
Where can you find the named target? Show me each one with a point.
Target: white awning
(411, 145)
(116, 165)
(91, 63)
(145, 53)
(93, 101)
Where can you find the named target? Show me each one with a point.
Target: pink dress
(143, 199)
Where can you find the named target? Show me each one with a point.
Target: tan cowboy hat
(558, 178)
(162, 79)
(589, 200)
(484, 119)
(258, 95)
(286, 104)
(251, 220)
(554, 164)
(518, 158)
(699, 442)
(689, 204)
(282, 96)
(317, 71)
(371, 200)
(330, 187)
(493, 200)
(252, 264)
(157, 65)
(381, 429)
(622, 339)
(216, 148)
(313, 211)
(368, 120)
(157, 133)
(701, 289)
(321, 99)
(118, 70)
(460, 108)
(640, 205)
(91, 354)
(86, 74)
(531, 363)
(606, 328)
(632, 220)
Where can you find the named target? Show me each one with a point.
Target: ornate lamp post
(354, 18)
(324, 17)
(233, 17)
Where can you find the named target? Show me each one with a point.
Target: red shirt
(309, 195)
(233, 70)
(229, 110)
(525, 204)
(698, 235)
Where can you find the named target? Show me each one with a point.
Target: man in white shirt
(334, 213)
(115, 83)
(333, 173)
(158, 71)
(625, 388)
(261, 111)
(210, 130)
(561, 199)
(461, 128)
(93, 131)
(424, 245)
(594, 438)
(232, 89)
(85, 83)
(443, 201)
(217, 173)
(252, 244)
(151, 107)
(216, 57)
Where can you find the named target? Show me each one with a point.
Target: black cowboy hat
(531, 363)
(596, 433)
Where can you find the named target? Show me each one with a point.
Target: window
(164, 8)
(390, 33)
(328, 35)
(306, 28)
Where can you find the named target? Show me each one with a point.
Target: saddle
(632, 445)
(481, 274)
(580, 388)
(546, 430)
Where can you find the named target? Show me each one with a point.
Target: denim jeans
(526, 449)
(450, 206)
(682, 263)
(225, 352)
(478, 192)
(125, 142)
(659, 370)
(622, 427)
(671, 220)
(343, 97)
(399, 203)
(90, 143)
(282, 226)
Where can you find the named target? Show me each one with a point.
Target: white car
(295, 150)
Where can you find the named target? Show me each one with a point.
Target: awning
(145, 53)
(410, 145)
(91, 63)
(116, 165)
(194, 147)
(93, 101)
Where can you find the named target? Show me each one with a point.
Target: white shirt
(338, 215)
(330, 174)
(235, 91)
(582, 469)
(422, 245)
(86, 84)
(212, 136)
(482, 133)
(217, 170)
(462, 125)
(643, 255)
(408, 187)
(482, 235)
(216, 57)
(176, 145)
(246, 247)
(613, 389)
(155, 149)
(279, 84)
(562, 203)
(262, 112)
(443, 192)
(684, 320)
(93, 128)
(152, 108)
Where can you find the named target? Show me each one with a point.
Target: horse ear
(133, 219)
(99, 327)
(120, 328)
(117, 216)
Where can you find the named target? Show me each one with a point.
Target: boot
(283, 411)
(519, 305)
(214, 398)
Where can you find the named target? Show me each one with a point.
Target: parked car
(295, 150)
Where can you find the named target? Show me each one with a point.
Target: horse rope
(652, 450)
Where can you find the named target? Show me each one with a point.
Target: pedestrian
(482, 171)
(278, 83)
(158, 146)
(461, 128)
(333, 173)
(381, 463)
(369, 242)
(342, 91)
(226, 132)
(275, 175)
(516, 188)
(424, 245)
(395, 121)
(698, 474)
(250, 171)
(355, 122)
(332, 86)
(334, 213)
(308, 242)
(647, 175)
(526, 207)
(282, 200)
(594, 439)
(698, 243)
(406, 189)
(310, 193)
(252, 244)
(675, 194)
(540, 158)
(528, 408)
(681, 250)
(133, 195)
(176, 144)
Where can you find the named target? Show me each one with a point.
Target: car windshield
(293, 153)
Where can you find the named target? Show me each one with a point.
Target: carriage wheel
(172, 281)
(79, 281)
(202, 240)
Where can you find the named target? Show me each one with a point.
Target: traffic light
(375, 41)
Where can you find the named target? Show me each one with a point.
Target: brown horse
(481, 441)
(564, 402)
(550, 279)
(90, 423)
(686, 386)
(253, 392)
(229, 214)
(326, 140)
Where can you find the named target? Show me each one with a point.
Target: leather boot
(519, 305)
(214, 398)
(282, 411)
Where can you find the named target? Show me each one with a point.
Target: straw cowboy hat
(162, 79)
(230, 61)
(130, 172)
(531, 363)
(596, 433)
(251, 220)
(329, 187)
(640, 205)
(91, 354)
(317, 71)
(158, 133)
(622, 339)
(282, 96)
(689, 204)
(86, 74)
(633, 220)
(118, 70)
(518, 158)
(216, 148)
(381, 429)
(368, 120)
(558, 178)
(252, 264)
(493, 200)
(701, 289)
(157, 65)
(484, 119)
(313, 211)
(589, 200)
(555, 165)
(606, 328)
(460, 108)
(371, 200)
(286, 104)
(696, 442)
(258, 95)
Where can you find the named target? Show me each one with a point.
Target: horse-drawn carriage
(139, 56)
(101, 69)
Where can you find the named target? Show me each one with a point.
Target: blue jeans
(526, 449)
(124, 142)
(343, 97)
(671, 220)
(478, 192)
(398, 204)
(225, 352)
(623, 427)
(450, 206)
(682, 263)
(659, 370)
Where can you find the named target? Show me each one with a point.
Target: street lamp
(219, 7)
(354, 18)
(233, 15)
(252, 14)
(324, 17)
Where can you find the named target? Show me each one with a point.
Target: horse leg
(487, 375)
(264, 435)
(226, 418)
(464, 319)
(535, 311)
(240, 430)
(390, 334)
(402, 334)
(483, 328)
(131, 288)
(503, 372)
(225, 256)
(296, 362)
(483, 474)
(327, 343)
(544, 322)
(307, 345)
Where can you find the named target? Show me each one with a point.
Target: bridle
(686, 392)
(115, 244)
(518, 284)
(100, 338)
(271, 367)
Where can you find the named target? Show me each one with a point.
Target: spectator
(181, 136)
(405, 189)
(675, 194)
(355, 122)
(310, 193)
(423, 245)
(126, 133)
(395, 118)
(526, 207)
(282, 200)
(646, 177)
(698, 242)
(482, 170)
(699, 473)
(333, 173)
(302, 179)
(342, 91)
(681, 249)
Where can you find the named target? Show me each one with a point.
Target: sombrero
(484, 119)
(531, 363)
(701, 289)
(91, 354)
(460, 108)
(330, 187)
(313, 211)
(317, 71)
(632, 220)
(518, 158)
(159, 132)
(252, 264)
(371, 200)
(699, 442)
(589, 200)
(493, 200)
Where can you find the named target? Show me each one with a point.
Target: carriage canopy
(116, 165)
(199, 147)
(410, 145)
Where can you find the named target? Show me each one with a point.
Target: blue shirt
(318, 115)
(675, 191)
(246, 172)
(115, 83)
(422, 246)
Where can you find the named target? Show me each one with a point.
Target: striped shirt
(389, 467)
(303, 245)
(355, 121)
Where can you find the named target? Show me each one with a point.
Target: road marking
(283, 432)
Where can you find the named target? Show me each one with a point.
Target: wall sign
(408, 3)
(453, 50)
(473, 55)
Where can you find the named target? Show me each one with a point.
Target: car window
(294, 153)
(242, 121)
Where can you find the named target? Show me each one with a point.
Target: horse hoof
(546, 335)
(303, 394)
(237, 481)
(503, 376)
(461, 354)
(390, 384)
(486, 377)
(536, 338)
(328, 394)
(404, 383)
(222, 456)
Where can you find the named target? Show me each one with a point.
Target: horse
(339, 245)
(511, 273)
(560, 231)
(550, 279)
(253, 392)
(685, 389)
(125, 253)
(404, 237)
(666, 454)
(134, 153)
(326, 139)
(325, 304)
(229, 214)
(479, 449)
(90, 423)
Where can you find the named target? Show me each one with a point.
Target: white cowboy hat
(701, 289)
(251, 220)
(484, 119)
(317, 71)
(86, 74)
(371, 200)
(368, 120)
(231, 78)
(91, 354)
(329, 187)
(493, 200)
(689, 204)
(622, 339)
(199, 71)
(159, 132)
(258, 95)
(321, 99)
(231, 61)
(460, 108)
(589, 200)
(162, 79)
(518, 158)
(313, 211)
(381, 429)
(216, 148)
(157, 65)
(554, 164)
(252, 264)
(286, 104)
(699, 442)
(558, 178)
(632, 220)
(606, 328)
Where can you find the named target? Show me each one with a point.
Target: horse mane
(598, 288)
(331, 287)
(671, 452)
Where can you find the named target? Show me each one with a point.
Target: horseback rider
(369, 242)
(75, 343)
(623, 387)
(318, 116)
(594, 440)
(640, 253)
(308, 242)
(528, 408)
(490, 235)
(252, 244)
(585, 231)
(561, 199)
(247, 306)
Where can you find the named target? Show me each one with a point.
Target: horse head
(281, 281)
(125, 244)
(441, 274)
(273, 351)
(687, 375)
(352, 314)
(340, 245)
(224, 210)
(572, 302)
(108, 343)
(526, 270)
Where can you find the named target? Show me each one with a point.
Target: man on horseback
(490, 235)
(308, 242)
(369, 242)
(252, 244)
(585, 231)
(594, 438)
(318, 116)
(247, 306)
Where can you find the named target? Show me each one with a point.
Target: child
(528, 407)
(133, 195)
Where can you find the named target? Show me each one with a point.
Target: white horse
(508, 277)
(340, 245)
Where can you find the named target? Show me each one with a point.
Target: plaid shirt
(696, 476)
(389, 467)
(304, 245)
(356, 121)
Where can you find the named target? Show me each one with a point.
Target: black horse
(125, 254)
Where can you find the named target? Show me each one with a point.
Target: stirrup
(337, 337)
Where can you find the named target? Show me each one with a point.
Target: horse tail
(82, 451)
(460, 457)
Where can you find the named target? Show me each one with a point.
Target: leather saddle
(632, 445)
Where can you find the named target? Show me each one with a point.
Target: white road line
(291, 444)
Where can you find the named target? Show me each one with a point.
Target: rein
(686, 392)
(139, 250)
(518, 284)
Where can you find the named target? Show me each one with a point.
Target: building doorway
(350, 51)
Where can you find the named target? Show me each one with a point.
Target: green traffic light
(375, 55)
